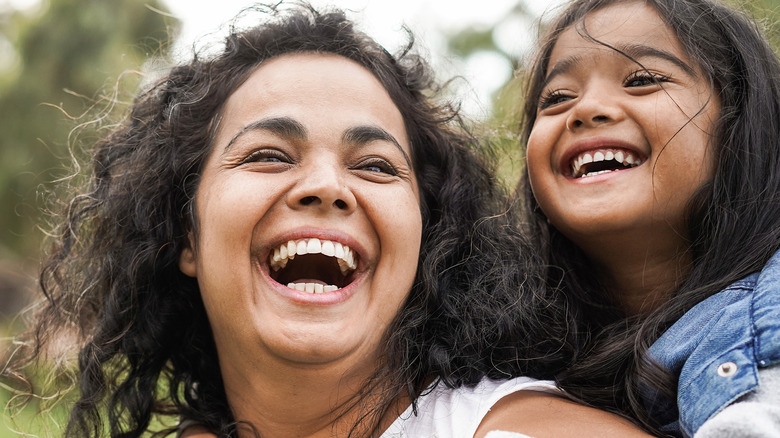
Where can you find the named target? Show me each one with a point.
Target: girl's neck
(314, 402)
(641, 276)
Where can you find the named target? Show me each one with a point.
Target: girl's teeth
(625, 158)
(587, 158)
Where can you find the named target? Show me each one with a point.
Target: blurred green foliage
(69, 55)
(63, 63)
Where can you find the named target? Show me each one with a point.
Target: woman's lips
(313, 261)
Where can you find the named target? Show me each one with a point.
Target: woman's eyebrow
(367, 133)
(285, 127)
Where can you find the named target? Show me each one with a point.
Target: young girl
(653, 182)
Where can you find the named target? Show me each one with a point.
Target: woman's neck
(295, 401)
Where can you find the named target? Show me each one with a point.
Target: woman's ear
(187, 263)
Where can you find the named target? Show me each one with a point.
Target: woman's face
(618, 150)
(308, 216)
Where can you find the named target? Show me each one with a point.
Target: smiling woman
(290, 238)
(311, 157)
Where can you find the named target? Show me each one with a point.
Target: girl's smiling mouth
(599, 161)
(599, 155)
(313, 265)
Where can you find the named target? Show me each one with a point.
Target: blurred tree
(68, 56)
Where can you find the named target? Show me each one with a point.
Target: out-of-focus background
(65, 63)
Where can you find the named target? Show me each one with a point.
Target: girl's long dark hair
(734, 221)
(112, 278)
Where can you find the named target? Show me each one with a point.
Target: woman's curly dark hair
(146, 348)
(732, 221)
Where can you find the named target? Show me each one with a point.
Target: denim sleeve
(757, 415)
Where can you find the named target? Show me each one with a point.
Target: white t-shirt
(456, 413)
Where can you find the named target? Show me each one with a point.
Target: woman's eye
(552, 98)
(267, 156)
(377, 166)
(644, 78)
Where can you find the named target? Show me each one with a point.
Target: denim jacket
(716, 349)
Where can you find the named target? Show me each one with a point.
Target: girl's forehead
(625, 21)
(627, 27)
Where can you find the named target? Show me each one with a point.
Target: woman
(289, 238)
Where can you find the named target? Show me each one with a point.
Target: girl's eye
(377, 165)
(552, 98)
(267, 156)
(644, 78)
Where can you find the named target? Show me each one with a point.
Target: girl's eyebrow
(633, 52)
(562, 67)
(637, 51)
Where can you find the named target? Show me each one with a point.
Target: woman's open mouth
(600, 161)
(313, 265)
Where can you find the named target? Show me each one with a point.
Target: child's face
(617, 151)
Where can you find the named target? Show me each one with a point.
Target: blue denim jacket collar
(716, 349)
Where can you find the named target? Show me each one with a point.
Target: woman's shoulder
(546, 415)
(457, 412)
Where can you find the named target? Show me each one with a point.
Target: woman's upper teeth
(626, 158)
(287, 251)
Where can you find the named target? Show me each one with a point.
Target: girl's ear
(187, 263)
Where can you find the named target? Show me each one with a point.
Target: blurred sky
(430, 20)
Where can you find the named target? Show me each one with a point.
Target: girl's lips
(596, 156)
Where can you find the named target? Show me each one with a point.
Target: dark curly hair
(476, 308)
(732, 220)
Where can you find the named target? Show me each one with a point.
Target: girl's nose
(595, 107)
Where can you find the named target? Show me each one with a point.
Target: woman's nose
(322, 187)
